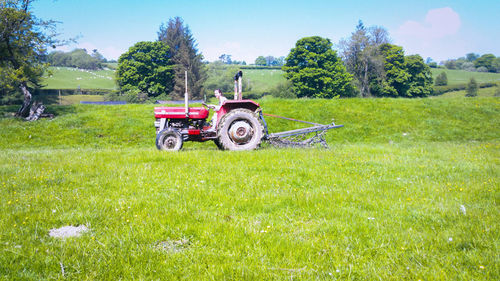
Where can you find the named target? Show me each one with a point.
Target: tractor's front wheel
(240, 129)
(169, 139)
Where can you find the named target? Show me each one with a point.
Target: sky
(439, 29)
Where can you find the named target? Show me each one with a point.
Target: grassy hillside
(463, 77)
(408, 191)
(71, 78)
(262, 80)
(365, 120)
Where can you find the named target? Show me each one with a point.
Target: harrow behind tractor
(240, 125)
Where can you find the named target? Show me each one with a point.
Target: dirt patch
(172, 246)
(68, 231)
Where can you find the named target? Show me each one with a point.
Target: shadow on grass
(8, 111)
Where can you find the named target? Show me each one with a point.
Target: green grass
(71, 78)
(262, 80)
(463, 77)
(383, 203)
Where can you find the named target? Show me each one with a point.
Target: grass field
(72, 78)
(262, 80)
(408, 190)
(463, 77)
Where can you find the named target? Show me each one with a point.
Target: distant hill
(72, 78)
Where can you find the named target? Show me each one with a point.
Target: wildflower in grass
(481, 267)
(450, 239)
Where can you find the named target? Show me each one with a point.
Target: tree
(261, 60)
(472, 88)
(361, 56)
(471, 57)
(271, 61)
(226, 59)
(221, 76)
(487, 61)
(395, 79)
(185, 57)
(441, 79)
(98, 56)
(315, 70)
(450, 64)
(420, 80)
(24, 40)
(146, 67)
(78, 58)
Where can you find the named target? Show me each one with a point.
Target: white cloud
(438, 23)
(437, 36)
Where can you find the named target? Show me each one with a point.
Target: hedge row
(68, 92)
(258, 67)
(439, 90)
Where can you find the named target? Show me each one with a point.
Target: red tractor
(237, 127)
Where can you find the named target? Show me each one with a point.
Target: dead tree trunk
(36, 111)
(23, 111)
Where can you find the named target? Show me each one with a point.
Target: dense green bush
(472, 88)
(441, 79)
(284, 91)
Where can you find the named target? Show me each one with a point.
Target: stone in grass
(68, 231)
(172, 246)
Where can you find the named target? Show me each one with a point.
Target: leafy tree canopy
(78, 58)
(24, 40)
(420, 81)
(315, 70)
(146, 67)
(261, 60)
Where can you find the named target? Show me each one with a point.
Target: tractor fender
(230, 105)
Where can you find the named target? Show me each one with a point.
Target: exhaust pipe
(238, 85)
(186, 96)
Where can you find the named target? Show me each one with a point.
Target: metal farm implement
(239, 125)
(305, 137)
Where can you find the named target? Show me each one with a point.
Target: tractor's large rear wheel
(169, 139)
(240, 129)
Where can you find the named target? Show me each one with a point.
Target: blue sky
(439, 29)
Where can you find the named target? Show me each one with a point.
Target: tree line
(366, 64)
(78, 58)
(473, 62)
